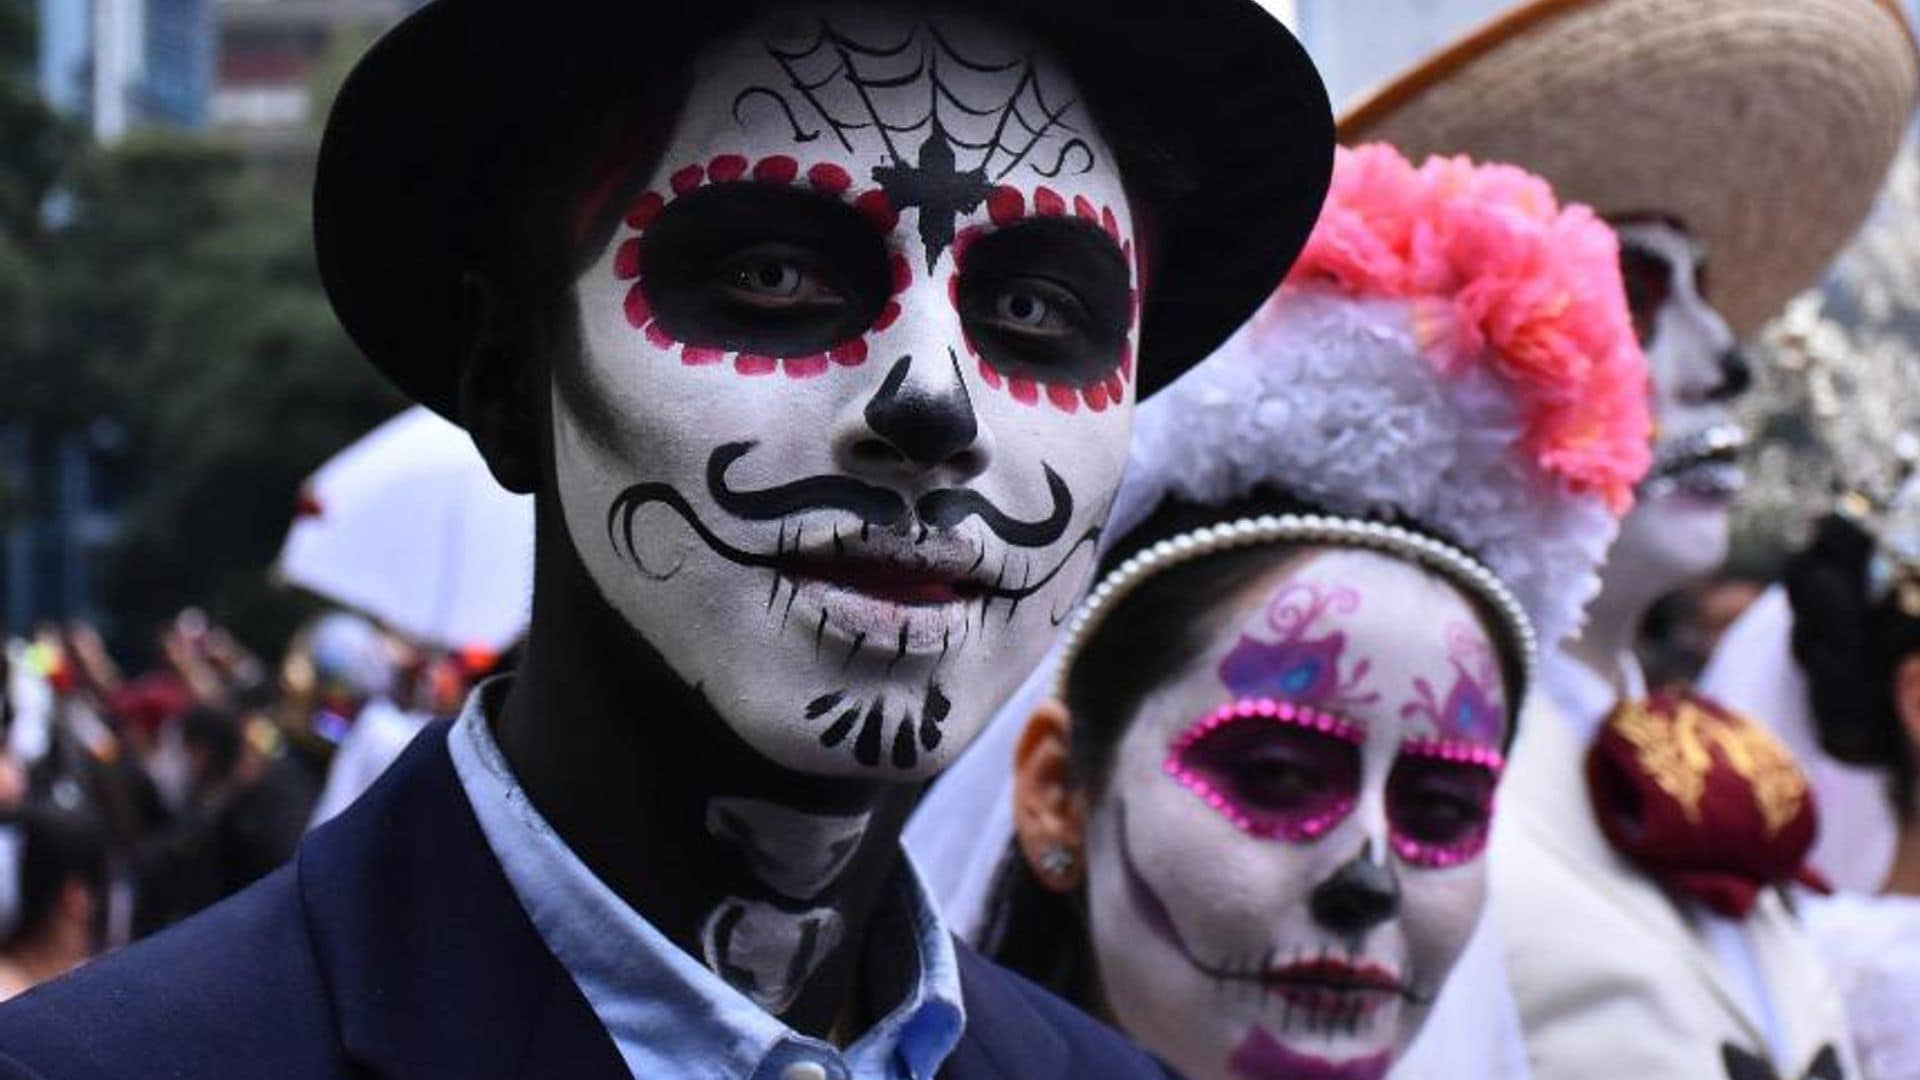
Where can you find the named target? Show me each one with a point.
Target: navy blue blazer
(393, 946)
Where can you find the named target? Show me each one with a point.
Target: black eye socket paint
(1076, 278)
(694, 255)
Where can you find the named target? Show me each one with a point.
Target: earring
(1057, 861)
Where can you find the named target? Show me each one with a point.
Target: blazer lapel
(1003, 1039)
(1549, 777)
(433, 968)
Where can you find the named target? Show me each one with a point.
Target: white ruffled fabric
(1332, 400)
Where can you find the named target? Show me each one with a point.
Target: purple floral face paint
(1349, 715)
(1306, 662)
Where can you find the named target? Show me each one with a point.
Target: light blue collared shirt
(667, 1013)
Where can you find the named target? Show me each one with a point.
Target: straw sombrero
(1764, 126)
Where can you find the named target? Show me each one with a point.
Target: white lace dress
(1872, 944)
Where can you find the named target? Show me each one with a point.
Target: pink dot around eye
(1063, 397)
(829, 179)
(1006, 205)
(1096, 396)
(754, 364)
(878, 209)
(887, 314)
(1116, 390)
(1110, 223)
(638, 310)
(901, 272)
(1084, 210)
(727, 168)
(849, 353)
(988, 375)
(701, 355)
(1047, 203)
(685, 180)
(646, 206)
(657, 337)
(1023, 389)
(626, 259)
(804, 367)
(776, 169)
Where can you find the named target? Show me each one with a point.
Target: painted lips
(1705, 464)
(888, 580)
(1332, 985)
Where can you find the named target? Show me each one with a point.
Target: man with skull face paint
(1671, 120)
(816, 330)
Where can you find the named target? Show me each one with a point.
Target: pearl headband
(1450, 562)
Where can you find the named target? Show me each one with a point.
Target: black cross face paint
(855, 383)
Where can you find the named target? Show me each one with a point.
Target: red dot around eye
(626, 259)
(646, 206)
(829, 179)
(1096, 396)
(701, 355)
(804, 367)
(1084, 210)
(1116, 390)
(685, 180)
(988, 375)
(1047, 203)
(849, 353)
(776, 169)
(1110, 223)
(638, 310)
(963, 240)
(887, 315)
(878, 209)
(1023, 389)
(1064, 397)
(727, 168)
(754, 364)
(902, 272)
(953, 291)
(657, 337)
(1006, 205)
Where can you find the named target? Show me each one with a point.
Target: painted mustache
(883, 508)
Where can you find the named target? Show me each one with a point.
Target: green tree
(188, 311)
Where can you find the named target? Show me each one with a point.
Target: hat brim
(1213, 93)
(1765, 127)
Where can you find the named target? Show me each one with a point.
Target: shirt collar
(1584, 697)
(666, 1012)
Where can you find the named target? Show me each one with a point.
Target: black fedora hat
(1225, 142)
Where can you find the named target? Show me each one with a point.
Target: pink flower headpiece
(1501, 276)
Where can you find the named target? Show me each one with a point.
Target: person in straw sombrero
(1638, 871)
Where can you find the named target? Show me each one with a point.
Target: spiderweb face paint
(779, 453)
(1334, 740)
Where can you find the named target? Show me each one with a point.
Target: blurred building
(122, 64)
(277, 59)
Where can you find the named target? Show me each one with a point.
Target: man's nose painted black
(926, 428)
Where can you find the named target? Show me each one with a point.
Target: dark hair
(1850, 645)
(1041, 933)
(58, 847)
(216, 733)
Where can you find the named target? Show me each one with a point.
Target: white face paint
(853, 399)
(1678, 531)
(1286, 861)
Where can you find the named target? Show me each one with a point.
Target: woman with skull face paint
(1251, 810)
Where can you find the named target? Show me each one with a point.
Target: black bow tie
(1744, 1066)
